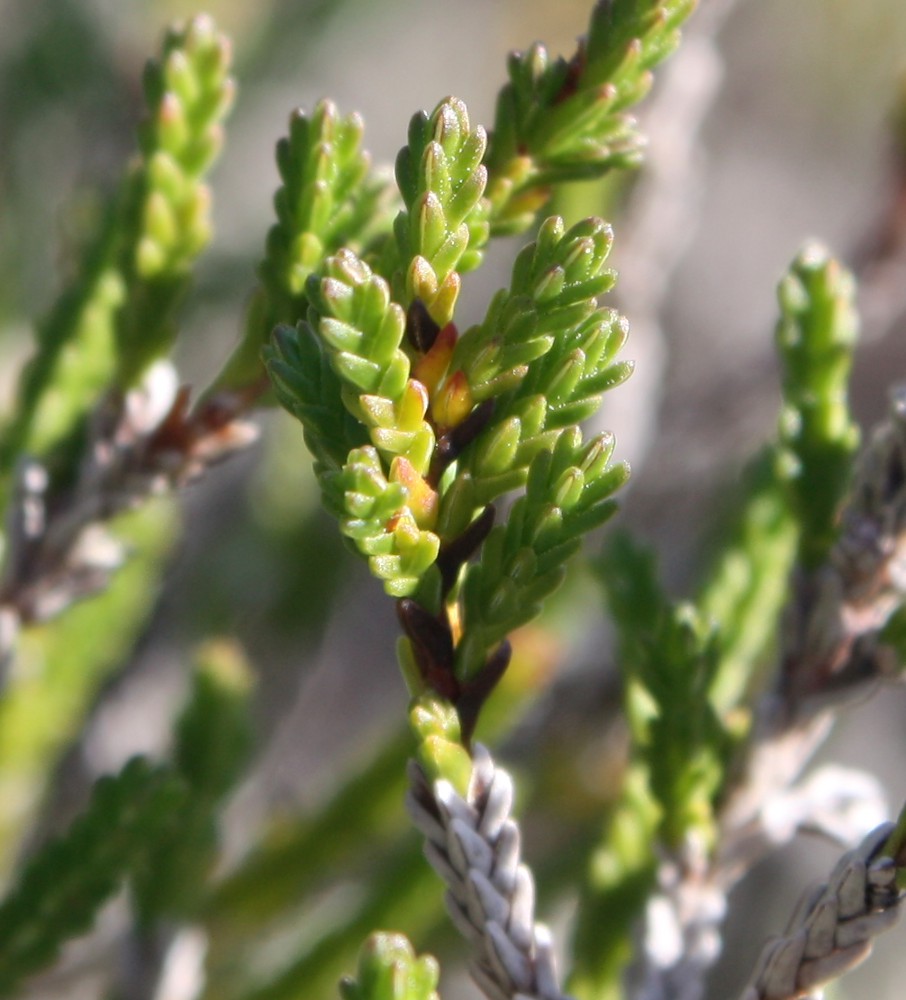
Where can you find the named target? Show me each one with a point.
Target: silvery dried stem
(474, 845)
(832, 928)
(681, 931)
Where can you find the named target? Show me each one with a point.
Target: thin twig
(140, 444)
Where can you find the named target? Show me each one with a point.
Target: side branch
(143, 443)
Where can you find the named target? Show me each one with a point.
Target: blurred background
(775, 124)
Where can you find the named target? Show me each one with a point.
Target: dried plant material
(834, 925)
(143, 443)
(474, 845)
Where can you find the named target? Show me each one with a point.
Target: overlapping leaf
(443, 228)
(379, 515)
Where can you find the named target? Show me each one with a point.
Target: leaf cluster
(154, 826)
(62, 888)
(560, 120)
(816, 336)
(167, 206)
(669, 657)
(568, 493)
(443, 228)
(329, 198)
(454, 422)
(546, 353)
(378, 491)
(117, 317)
(390, 970)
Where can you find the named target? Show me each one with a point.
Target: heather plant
(464, 464)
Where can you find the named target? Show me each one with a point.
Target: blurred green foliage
(452, 459)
